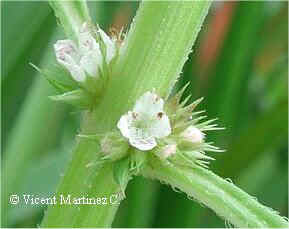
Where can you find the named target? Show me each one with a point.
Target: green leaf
(19, 22)
(228, 91)
(29, 135)
(269, 131)
(121, 173)
(48, 166)
(16, 75)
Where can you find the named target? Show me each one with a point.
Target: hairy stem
(170, 30)
(139, 69)
(222, 196)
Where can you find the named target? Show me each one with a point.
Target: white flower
(145, 123)
(86, 58)
(193, 134)
(68, 56)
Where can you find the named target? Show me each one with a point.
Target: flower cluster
(86, 58)
(155, 128)
(84, 66)
(171, 130)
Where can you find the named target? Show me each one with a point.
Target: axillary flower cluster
(170, 130)
(86, 59)
(84, 66)
(155, 129)
(166, 130)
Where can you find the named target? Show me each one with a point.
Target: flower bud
(193, 135)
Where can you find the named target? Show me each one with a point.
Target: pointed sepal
(78, 98)
(58, 77)
(113, 146)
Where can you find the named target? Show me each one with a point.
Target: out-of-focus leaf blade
(35, 131)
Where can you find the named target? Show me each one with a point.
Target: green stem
(222, 196)
(72, 14)
(153, 58)
(170, 30)
(81, 181)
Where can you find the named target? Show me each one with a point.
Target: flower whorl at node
(84, 66)
(114, 148)
(170, 130)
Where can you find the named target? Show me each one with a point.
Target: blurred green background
(240, 66)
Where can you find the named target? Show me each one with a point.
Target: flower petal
(124, 124)
(109, 44)
(86, 40)
(143, 144)
(140, 137)
(161, 127)
(67, 55)
(149, 104)
(91, 61)
(76, 72)
(66, 47)
(146, 122)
